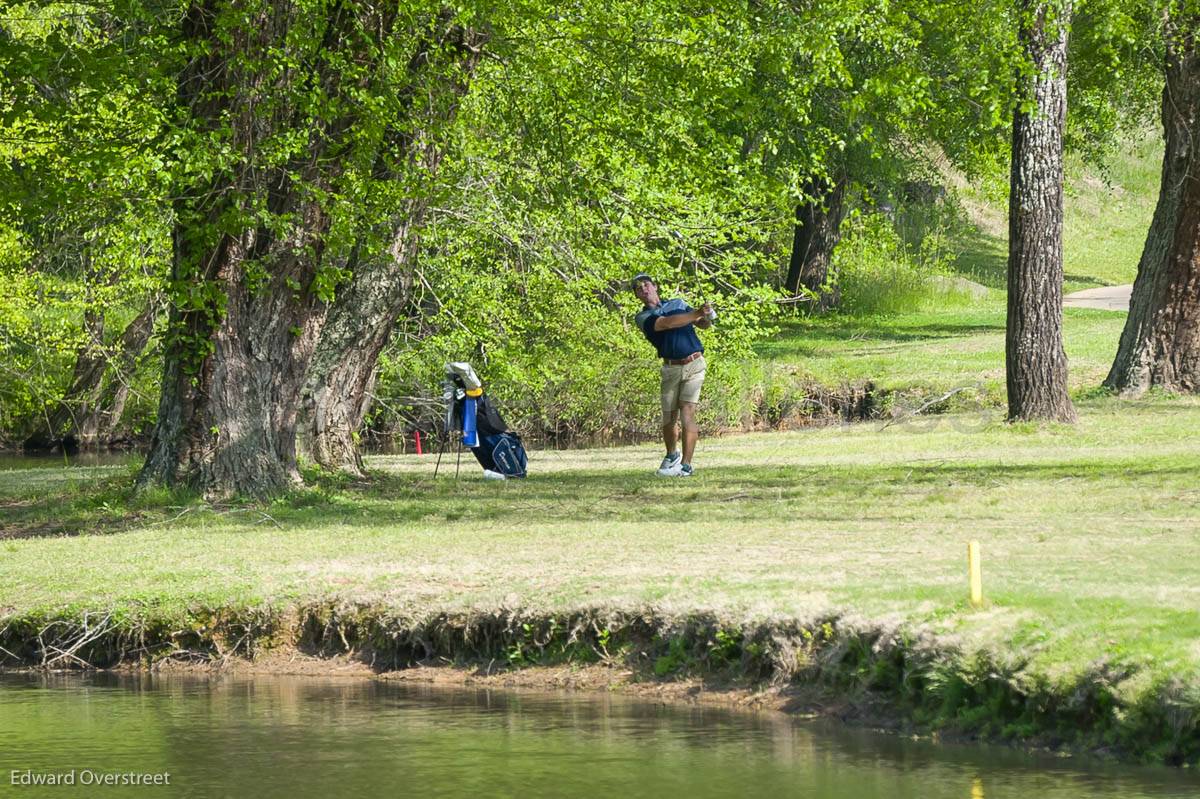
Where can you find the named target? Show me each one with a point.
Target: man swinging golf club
(671, 327)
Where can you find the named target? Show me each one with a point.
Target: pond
(17, 460)
(321, 737)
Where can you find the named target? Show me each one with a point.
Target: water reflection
(299, 737)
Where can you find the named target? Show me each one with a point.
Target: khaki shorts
(681, 383)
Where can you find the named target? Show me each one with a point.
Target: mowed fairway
(1090, 535)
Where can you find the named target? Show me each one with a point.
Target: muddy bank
(883, 675)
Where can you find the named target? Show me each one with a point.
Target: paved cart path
(1106, 298)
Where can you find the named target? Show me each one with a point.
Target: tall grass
(881, 274)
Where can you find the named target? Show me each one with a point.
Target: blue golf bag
(497, 448)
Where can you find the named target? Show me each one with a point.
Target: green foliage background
(597, 140)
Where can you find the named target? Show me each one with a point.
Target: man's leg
(670, 404)
(687, 415)
(689, 395)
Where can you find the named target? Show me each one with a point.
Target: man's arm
(677, 320)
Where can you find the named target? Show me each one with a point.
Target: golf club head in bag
(463, 375)
(468, 389)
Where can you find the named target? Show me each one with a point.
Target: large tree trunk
(360, 322)
(245, 318)
(817, 232)
(250, 243)
(1160, 345)
(226, 419)
(1034, 356)
(338, 391)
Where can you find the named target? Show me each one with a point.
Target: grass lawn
(1106, 214)
(938, 350)
(960, 343)
(1090, 535)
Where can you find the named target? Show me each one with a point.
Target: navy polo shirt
(673, 344)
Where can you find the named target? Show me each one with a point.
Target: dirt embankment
(882, 675)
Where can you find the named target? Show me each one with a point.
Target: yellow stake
(975, 571)
(977, 784)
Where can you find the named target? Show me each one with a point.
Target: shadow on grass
(1088, 279)
(771, 493)
(811, 337)
(982, 257)
(79, 506)
(620, 489)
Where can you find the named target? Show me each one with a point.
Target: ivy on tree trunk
(359, 324)
(281, 105)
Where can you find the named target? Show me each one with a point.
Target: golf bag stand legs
(441, 449)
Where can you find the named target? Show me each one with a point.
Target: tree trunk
(248, 244)
(250, 239)
(1159, 345)
(817, 232)
(226, 420)
(337, 395)
(1034, 357)
(90, 410)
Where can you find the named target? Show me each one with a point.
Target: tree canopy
(314, 186)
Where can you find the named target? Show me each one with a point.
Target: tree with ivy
(283, 114)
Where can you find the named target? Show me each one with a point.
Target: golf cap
(638, 278)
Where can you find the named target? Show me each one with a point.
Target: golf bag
(499, 450)
(472, 413)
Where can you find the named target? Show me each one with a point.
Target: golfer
(671, 327)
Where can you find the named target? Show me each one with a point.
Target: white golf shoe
(670, 465)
